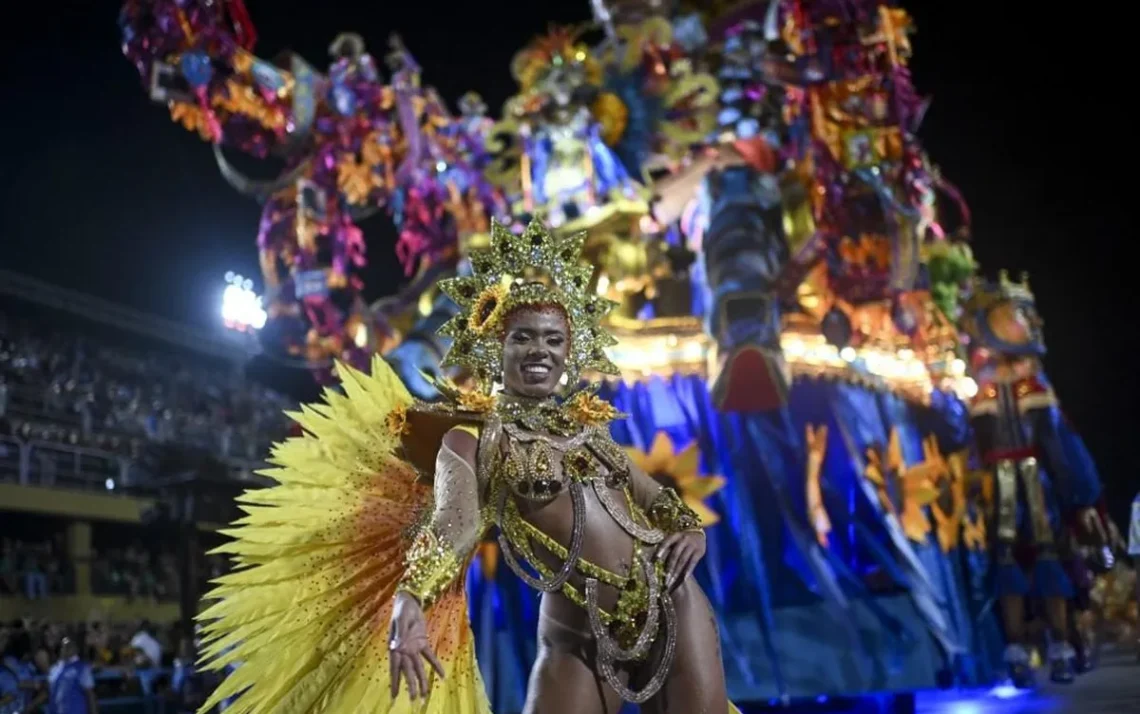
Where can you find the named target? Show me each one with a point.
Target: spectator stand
(116, 457)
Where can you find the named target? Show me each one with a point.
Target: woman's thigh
(562, 682)
(695, 684)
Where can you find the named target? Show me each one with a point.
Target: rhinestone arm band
(441, 546)
(431, 567)
(670, 514)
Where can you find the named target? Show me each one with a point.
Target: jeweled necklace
(546, 415)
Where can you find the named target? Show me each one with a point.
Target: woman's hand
(681, 553)
(407, 645)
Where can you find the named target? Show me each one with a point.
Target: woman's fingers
(421, 675)
(690, 565)
(409, 673)
(693, 562)
(667, 546)
(393, 660)
(677, 556)
(429, 655)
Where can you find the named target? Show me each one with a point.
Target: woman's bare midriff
(605, 544)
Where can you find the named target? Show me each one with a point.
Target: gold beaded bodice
(538, 468)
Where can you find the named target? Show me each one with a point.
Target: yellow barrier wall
(83, 505)
(60, 502)
(79, 608)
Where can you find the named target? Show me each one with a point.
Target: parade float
(788, 266)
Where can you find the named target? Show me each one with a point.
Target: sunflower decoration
(679, 470)
(467, 399)
(591, 410)
(397, 421)
(487, 312)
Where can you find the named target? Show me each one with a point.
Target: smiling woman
(536, 343)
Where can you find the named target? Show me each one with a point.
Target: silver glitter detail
(651, 536)
(574, 552)
(606, 660)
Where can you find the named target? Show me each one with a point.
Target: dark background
(101, 192)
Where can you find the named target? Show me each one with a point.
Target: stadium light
(241, 307)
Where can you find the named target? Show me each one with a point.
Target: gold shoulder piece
(425, 426)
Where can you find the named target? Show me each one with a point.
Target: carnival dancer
(1039, 485)
(350, 575)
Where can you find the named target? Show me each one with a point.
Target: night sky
(101, 192)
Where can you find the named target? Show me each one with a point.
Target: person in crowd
(9, 572)
(11, 694)
(147, 650)
(187, 686)
(72, 683)
(35, 577)
(16, 664)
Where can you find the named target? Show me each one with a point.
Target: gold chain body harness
(525, 464)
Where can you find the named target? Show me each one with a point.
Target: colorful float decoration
(788, 277)
(349, 144)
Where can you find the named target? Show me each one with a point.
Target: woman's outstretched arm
(435, 559)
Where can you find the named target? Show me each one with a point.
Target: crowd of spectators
(33, 569)
(106, 661)
(139, 573)
(36, 570)
(135, 572)
(66, 387)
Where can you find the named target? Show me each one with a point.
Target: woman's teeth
(536, 369)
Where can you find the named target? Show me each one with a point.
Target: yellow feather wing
(304, 615)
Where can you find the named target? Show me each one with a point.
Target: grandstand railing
(37, 463)
(31, 405)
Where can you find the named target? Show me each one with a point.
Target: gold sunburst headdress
(535, 268)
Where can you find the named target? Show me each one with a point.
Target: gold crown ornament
(986, 294)
(536, 268)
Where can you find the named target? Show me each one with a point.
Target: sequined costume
(1021, 436)
(1042, 484)
(352, 520)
